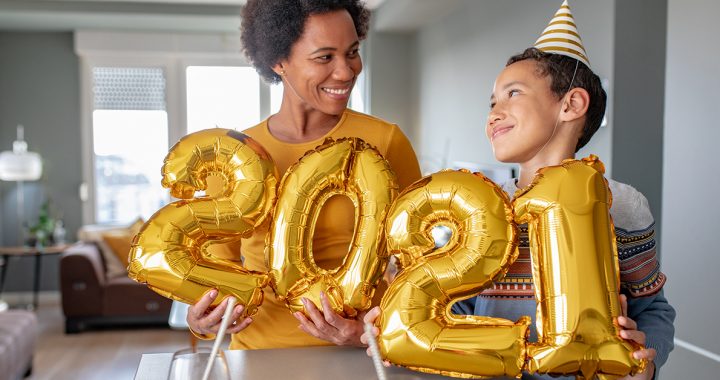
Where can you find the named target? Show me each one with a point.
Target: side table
(37, 252)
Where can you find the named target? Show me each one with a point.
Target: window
(130, 140)
(142, 92)
(222, 96)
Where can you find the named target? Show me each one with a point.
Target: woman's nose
(344, 71)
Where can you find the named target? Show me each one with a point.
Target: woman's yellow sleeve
(402, 158)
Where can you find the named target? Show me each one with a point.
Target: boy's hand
(630, 332)
(329, 326)
(370, 318)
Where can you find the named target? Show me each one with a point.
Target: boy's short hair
(560, 69)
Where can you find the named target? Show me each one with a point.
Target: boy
(546, 105)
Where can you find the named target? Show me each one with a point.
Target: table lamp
(19, 165)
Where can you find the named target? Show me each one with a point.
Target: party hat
(561, 36)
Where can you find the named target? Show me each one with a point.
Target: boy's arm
(640, 277)
(654, 317)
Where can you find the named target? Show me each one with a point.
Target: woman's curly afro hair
(271, 27)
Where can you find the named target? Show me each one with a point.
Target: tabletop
(21, 251)
(307, 363)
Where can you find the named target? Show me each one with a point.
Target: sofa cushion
(120, 240)
(94, 233)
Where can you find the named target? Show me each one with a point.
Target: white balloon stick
(220, 335)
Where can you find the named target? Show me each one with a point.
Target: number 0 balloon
(348, 167)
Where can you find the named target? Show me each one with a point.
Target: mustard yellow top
(274, 326)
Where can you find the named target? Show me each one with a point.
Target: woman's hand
(629, 331)
(205, 322)
(329, 325)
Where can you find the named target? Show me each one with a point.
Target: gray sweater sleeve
(640, 273)
(464, 307)
(655, 318)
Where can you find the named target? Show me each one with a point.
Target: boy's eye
(492, 105)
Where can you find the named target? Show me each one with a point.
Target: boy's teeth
(336, 91)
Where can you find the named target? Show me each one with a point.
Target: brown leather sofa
(90, 298)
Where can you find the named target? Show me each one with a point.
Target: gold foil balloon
(346, 167)
(417, 329)
(171, 254)
(576, 274)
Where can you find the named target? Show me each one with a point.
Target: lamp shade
(25, 166)
(20, 165)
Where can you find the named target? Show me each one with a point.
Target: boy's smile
(523, 113)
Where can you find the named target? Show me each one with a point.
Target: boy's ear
(575, 104)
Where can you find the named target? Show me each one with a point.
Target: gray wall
(691, 183)
(391, 85)
(460, 54)
(637, 143)
(39, 88)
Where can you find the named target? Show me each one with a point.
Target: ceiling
(68, 15)
(187, 15)
(410, 15)
(149, 15)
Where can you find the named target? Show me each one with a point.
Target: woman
(312, 48)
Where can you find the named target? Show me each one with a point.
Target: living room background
(49, 108)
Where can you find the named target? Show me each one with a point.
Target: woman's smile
(340, 92)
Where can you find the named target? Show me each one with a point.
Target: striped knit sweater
(641, 280)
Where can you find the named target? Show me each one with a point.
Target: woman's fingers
(198, 310)
(307, 325)
(317, 317)
(239, 326)
(332, 318)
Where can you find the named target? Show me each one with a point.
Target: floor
(95, 355)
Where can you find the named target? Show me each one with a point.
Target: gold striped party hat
(561, 36)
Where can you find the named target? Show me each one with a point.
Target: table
(37, 252)
(307, 363)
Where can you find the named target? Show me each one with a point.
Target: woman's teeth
(336, 91)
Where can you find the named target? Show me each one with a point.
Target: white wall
(691, 184)
(459, 56)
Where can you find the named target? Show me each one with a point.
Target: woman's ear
(575, 104)
(279, 69)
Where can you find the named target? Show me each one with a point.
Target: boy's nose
(493, 118)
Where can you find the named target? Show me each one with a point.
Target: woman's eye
(324, 58)
(354, 53)
(512, 93)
